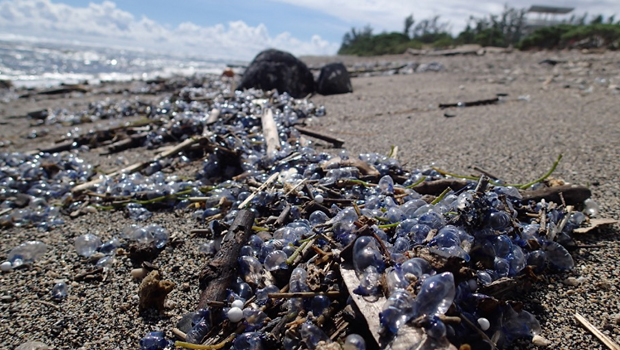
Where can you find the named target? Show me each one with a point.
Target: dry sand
(571, 109)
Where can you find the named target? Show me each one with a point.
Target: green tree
(408, 24)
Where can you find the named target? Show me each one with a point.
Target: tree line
(507, 29)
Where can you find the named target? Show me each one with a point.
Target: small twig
(283, 215)
(54, 306)
(271, 179)
(179, 333)
(181, 344)
(294, 188)
(200, 231)
(322, 136)
(602, 337)
(483, 182)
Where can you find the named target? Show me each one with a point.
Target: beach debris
(321, 136)
(139, 273)
(597, 333)
(154, 341)
(470, 103)
(334, 79)
(153, 291)
(570, 194)
(26, 253)
(145, 243)
(59, 291)
(5, 84)
(273, 69)
(228, 73)
(552, 61)
(301, 238)
(593, 224)
(32, 182)
(270, 132)
(220, 272)
(591, 208)
(540, 341)
(63, 89)
(430, 67)
(86, 245)
(33, 345)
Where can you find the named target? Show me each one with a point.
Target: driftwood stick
(270, 131)
(469, 103)
(438, 186)
(283, 215)
(321, 136)
(357, 72)
(573, 194)
(602, 337)
(220, 272)
(130, 142)
(59, 147)
(363, 167)
(139, 166)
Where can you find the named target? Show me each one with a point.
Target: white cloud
(108, 25)
(389, 15)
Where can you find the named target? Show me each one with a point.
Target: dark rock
(5, 84)
(274, 69)
(334, 79)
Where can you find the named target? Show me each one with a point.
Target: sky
(238, 29)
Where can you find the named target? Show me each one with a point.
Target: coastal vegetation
(507, 29)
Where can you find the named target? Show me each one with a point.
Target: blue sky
(279, 17)
(238, 29)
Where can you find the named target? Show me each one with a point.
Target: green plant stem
(296, 253)
(381, 219)
(360, 182)
(544, 177)
(388, 225)
(104, 207)
(440, 197)
(416, 183)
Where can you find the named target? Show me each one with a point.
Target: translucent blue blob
(436, 295)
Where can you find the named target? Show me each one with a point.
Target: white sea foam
(29, 63)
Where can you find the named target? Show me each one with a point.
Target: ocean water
(38, 64)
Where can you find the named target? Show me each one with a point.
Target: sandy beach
(570, 108)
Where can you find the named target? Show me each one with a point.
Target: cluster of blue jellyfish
(34, 188)
(486, 230)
